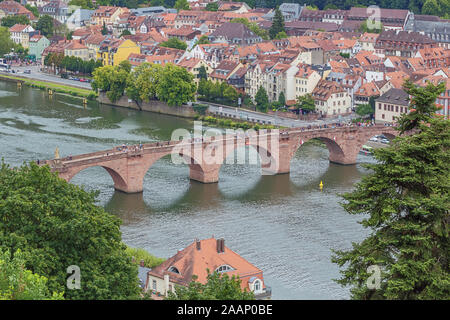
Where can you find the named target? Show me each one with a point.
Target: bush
(200, 108)
(150, 261)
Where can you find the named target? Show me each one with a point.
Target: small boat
(366, 150)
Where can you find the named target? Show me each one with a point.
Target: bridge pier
(205, 174)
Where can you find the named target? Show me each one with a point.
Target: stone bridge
(205, 155)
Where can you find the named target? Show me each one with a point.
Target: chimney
(218, 245)
(197, 244)
(142, 263)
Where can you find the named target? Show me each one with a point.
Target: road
(36, 74)
(226, 111)
(252, 116)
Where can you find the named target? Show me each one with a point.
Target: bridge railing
(138, 149)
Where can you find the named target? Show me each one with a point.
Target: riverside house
(195, 259)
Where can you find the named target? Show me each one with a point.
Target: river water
(282, 224)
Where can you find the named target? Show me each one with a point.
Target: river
(282, 224)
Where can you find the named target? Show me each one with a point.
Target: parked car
(386, 141)
(374, 139)
(83, 80)
(28, 71)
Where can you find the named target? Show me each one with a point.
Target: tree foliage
(364, 110)
(212, 6)
(143, 82)
(306, 103)
(174, 43)
(422, 106)
(71, 63)
(252, 26)
(277, 24)
(45, 25)
(217, 92)
(176, 85)
(262, 100)
(181, 5)
(84, 4)
(18, 283)
(6, 43)
(171, 83)
(9, 21)
(217, 287)
(56, 225)
(406, 203)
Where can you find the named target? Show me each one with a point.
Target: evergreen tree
(261, 99)
(406, 200)
(202, 74)
(277, 24)
(104, 30)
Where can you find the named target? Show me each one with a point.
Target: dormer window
(224, 268)
(174, 270)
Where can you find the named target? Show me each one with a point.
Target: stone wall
(184, 111)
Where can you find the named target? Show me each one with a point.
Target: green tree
(306, 103)
(202, 74)
(176, 85)
(9, 21)
(84, 4)
(431, 7)
(281, 35)
(282, 99)
(56, 225)
(143, 82)
(181, 5)
(125, 32)
(203, 40)
(422, 106)
(104, 30)
(364, 110)
(18, 283)
(33, 9)
(174, 43)
(212, 6)
(6, 43)
(261, 99)
(252, 26)
(277, 24)
(150, 261)
(405, 201)
(45, 25)
(217, 287)
(112, 80)
(371, 26)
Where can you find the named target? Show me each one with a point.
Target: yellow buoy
(321, 185)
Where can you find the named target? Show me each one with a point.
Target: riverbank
(48, 85)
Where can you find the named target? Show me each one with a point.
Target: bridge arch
(120, 181)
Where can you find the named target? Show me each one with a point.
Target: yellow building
(193, 66)
(113, 52)
(76, 49)
(107, 15)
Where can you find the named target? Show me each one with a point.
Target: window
(257, 286)
(174, 270)
(224, 268)
(154, 285)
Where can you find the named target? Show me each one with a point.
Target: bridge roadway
(128, 165)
